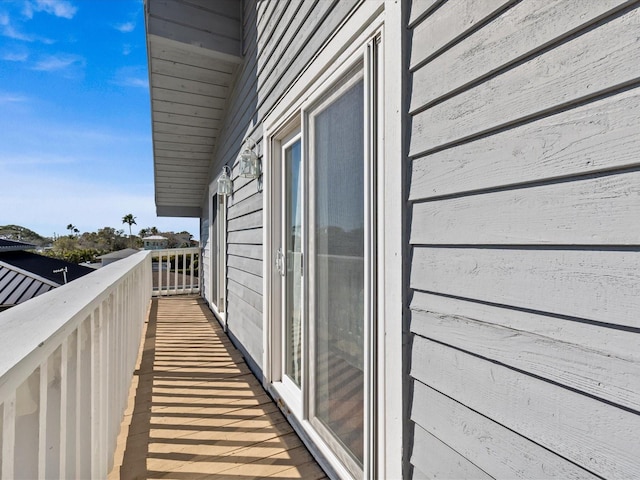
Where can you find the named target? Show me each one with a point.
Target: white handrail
(66, 363)
(176, 277)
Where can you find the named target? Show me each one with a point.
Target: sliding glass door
(324, 250)
(336, 267)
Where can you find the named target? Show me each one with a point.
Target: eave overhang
(194, 48)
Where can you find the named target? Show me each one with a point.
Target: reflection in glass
(338, 133)
(293, 240)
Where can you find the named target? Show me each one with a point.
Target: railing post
(8, 436)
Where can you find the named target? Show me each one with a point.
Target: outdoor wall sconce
(249, 162)
(225, 187)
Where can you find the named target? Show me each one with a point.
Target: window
(217, 251)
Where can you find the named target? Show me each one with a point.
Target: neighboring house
(24, 275)
(111, 257)
(155, 242)
(436, 270)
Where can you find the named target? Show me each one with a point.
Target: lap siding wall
(524, 200)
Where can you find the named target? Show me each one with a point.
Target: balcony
(69, 407)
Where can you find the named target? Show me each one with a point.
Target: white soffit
(194, 48)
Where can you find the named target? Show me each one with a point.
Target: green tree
(129, 219)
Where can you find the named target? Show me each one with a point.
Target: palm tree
(129, 219)
(72, 229)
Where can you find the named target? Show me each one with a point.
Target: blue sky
(75, 131)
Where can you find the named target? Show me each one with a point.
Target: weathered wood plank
(200, 17)
(241, 291)
(581, 212)
(181, 147)
(187, 131)
(243, 311)
(250, 251)
(251, 220)
(249, 205)
(452, 21)
(279, 15)
(227, 8)
(249, 237)
(299, 28)
(186, 120)
(594, 285)
(592, 434)
(247, 333)
(189, 141)
(249, 265)
(609, 341)
(594, 372)
(493, 448)
(177, 99)
(168, 82)
(177, 170)
(244, 188)
(169, 155)
(250, 281)
(524, 29)
(169, 101)
(193, 58)
(437, 460)
(197, 74)
(189, 36)
(598, 136)
(274, 88)
(420, 8)
(588, 65)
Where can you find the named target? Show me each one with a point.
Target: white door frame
(371, 18)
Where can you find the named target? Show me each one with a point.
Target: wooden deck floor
(196, 411)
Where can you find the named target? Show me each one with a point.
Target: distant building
(24, 275)
(155, 242)
(115, 256)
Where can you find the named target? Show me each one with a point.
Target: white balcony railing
(175, 271)
(66, 364)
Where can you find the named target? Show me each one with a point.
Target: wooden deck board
(195, 410)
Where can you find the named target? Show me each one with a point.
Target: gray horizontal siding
(524, 198)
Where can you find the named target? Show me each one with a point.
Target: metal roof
(17, 285)
(193, 50)
(43, 266)
(7, 245)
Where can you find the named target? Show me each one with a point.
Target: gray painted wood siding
(524, 208)
(280, 39)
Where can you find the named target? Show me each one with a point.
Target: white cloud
(126, 49)
(59, 8)
(125, 27)
(53, 63)
(10, 31)
(15, 56)
(6, 98)
(133, 82)
(132, 77)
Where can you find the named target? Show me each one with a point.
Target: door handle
(280, 262)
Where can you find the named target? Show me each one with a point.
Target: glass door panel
(337, 265)
(293, 263)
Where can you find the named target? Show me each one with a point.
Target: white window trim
(385, 18)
